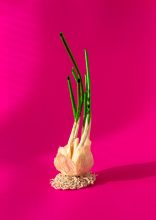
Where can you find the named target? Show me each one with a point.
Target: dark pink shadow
(127, 172)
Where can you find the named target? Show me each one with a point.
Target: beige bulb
(75, 159)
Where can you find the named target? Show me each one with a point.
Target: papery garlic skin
(74, 159)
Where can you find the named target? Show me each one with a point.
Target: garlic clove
(74, 160)
(83, 158)
(63, 162)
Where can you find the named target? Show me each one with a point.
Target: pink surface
(36, 116)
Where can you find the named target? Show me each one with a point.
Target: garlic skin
(74, 159)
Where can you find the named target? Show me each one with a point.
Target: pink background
(36, 116)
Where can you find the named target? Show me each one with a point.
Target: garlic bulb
(75, 158)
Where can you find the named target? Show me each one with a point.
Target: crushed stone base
(65, 182)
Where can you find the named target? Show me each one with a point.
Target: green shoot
(87, 79)
(85, 108)
(82, 97)
(74, 75)
(72, 58)
(72, 97)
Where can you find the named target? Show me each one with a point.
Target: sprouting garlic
(75, 158)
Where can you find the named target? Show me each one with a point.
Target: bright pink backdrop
(36, 116)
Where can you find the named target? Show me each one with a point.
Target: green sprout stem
(78, 92)
(74, 75)
(69, 52)
(83, 96)
(72, 58)
(85, 108)
(80, 103)
(80, 84)
(87, 79)
(72, 97)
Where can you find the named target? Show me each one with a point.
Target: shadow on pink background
(36, 115)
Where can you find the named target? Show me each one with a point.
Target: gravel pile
(72, 182)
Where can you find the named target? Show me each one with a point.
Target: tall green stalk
(82, 97)
(72, 97)
(88, 92)
(72, 58)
